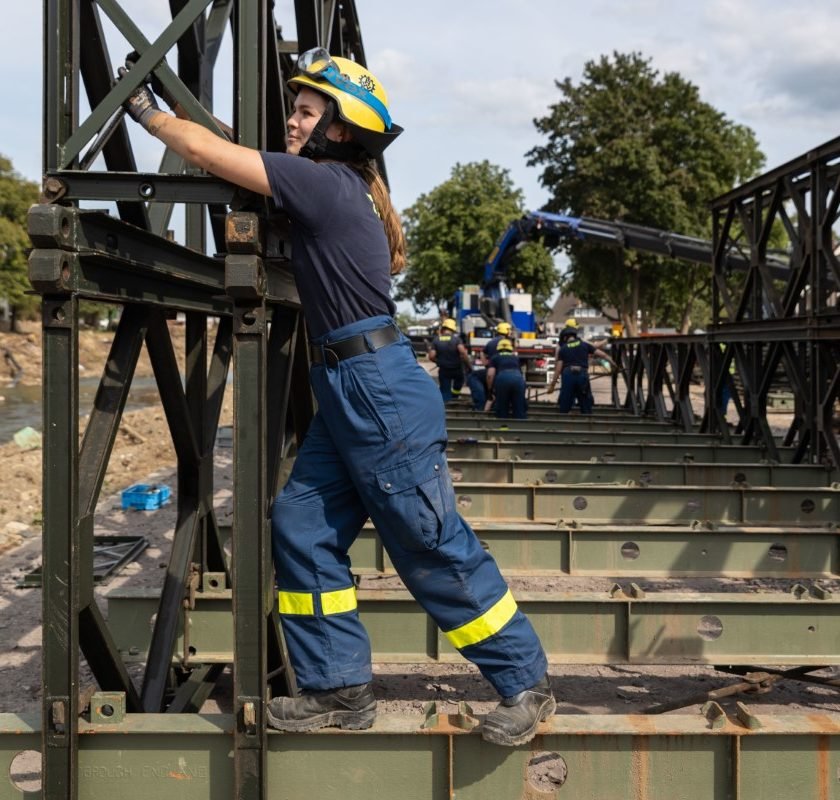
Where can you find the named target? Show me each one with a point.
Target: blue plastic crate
(145, 496)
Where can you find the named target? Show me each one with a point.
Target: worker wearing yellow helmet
(449, 352)
(504, 330)
(376, 448)
(571, 367)
(505, 380)
(356, 98)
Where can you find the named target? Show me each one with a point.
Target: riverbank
(22, 362)
(143, 444)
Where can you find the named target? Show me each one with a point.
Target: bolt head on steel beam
(52, 226)
(53, 190)
(52, 271)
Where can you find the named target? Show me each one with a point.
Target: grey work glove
(157, 86)
(141, 105)
(164, 94)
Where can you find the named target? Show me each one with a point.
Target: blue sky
(467, 78)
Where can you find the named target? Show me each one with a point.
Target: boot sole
(346, 720)
(495, 736)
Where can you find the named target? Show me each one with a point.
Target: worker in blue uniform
(450, 354)
(502, 331)
(572, 364)
(505, 380)
(376, 447)
(477, 384)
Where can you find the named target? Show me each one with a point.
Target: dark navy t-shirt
(575, 353)
(491, 347)
(446, 349)
(340, 254)
(504, 361)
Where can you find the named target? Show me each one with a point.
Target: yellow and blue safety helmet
(359, 97)
(504, 346)
(503, 328)
(449, 324)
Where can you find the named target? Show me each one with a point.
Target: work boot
(352, 707)
(514, 721)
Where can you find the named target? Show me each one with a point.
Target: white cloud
(504, 103)
(466, 79)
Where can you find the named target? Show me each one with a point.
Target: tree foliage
(16, 196)
(627, 143)
(451, 231)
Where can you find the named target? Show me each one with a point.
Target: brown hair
(385, 208)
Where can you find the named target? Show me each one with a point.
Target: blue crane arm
(551, 228)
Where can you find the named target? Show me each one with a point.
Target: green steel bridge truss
(667, 493)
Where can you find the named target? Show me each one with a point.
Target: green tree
(627, 143)
(16, 196)
(451, 231)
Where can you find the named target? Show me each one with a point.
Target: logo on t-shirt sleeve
(373, 205)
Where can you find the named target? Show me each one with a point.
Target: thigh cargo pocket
(417, 497)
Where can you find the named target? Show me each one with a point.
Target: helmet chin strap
(319, 146)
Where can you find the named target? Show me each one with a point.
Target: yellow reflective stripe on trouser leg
(296, 603)
(338, 602)
(485, 626)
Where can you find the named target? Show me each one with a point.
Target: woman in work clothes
(370, 451)
(505, 379)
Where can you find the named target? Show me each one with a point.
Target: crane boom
(552, 228)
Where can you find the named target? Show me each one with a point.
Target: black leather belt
(333, 352)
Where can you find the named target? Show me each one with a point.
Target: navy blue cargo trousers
(377, 448)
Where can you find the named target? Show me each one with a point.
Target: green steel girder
(96, 256)
(628, 551)
(542, 409)
(574, 627)
(563, 423)
(141, 186)
(583, 450)
(660, 505)
(511, 431)
(618, 551)
(748, 756)
(643, 473)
